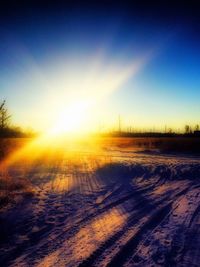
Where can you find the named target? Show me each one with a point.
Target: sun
(76, 106)
(71, 119)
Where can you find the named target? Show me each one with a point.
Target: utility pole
(119, 121)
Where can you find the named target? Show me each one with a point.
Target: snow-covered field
(113, 207)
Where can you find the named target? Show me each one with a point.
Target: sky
(139, 59)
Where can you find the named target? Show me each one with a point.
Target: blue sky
(40, 44)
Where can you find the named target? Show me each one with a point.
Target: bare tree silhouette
(197, 127)
(4, 115)
(187, 129)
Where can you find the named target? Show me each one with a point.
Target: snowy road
(111, 208)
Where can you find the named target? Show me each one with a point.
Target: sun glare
(71, 119)
(76, 113)
(73, 112)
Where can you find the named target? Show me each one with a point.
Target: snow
(105, 208)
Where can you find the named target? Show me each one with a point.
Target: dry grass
(9, 145)
(12, 189)
(185, 145)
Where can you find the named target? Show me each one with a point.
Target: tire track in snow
(135, 219)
